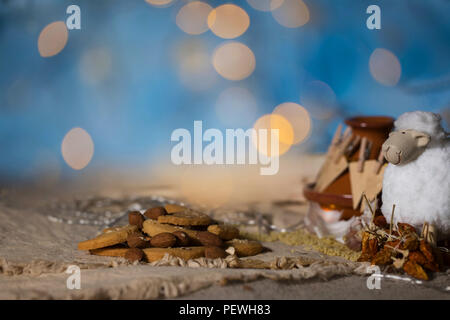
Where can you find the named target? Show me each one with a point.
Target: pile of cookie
(175, 230)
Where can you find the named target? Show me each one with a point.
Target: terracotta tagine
(338, 195)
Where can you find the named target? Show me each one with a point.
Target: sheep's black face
(404, 146)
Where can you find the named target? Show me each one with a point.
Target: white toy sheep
(417, 178)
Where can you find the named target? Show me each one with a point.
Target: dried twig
(370, 208)
(392, 221)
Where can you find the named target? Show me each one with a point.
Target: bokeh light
(234, 61)
(286, 133)
(298, 118)
(132, 75)
(236, 107)
(52, 39)
(292, 13)
(193, 17)
(385, 67)
(265, 5)
(194, 67)
(159, 3)
(77, 148)
(319, 99)
(95, 65)
(228, 21)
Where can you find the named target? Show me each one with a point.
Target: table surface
(37, 248)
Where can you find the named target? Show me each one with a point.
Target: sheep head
(404, 146)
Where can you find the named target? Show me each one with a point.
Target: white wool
(427, 122)
(420, 189)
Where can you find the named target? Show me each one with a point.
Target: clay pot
(338, 195)
(375, 129)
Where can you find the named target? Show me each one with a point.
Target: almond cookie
(224, 232)
(186, 253)
(186, 218)
(172, 208)
(108, 239)
(114, 251)
(245, 248)
(152, 228)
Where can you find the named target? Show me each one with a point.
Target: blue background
(131, 113)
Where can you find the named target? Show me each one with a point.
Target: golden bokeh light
(298, 117)
(265, 5)
(285, 131)
(209, 186)
(194, 69)
(52, 39)
(159, 3)
(385, 67)
(292, 13)
(236, 107)
(95, 65)
(77, 148)
(234, 61)
(228, 21)
(193, 17)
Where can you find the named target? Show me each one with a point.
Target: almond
(163, 240)
(209, 239)
(154, 213)
(215, 252)
(135, 218)
(137, 240)
(134, 254)
(182, 238)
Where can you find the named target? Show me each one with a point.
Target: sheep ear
(422, 140)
